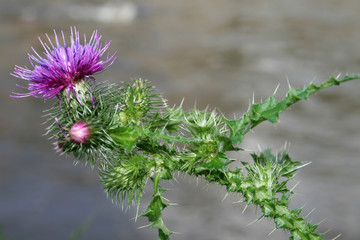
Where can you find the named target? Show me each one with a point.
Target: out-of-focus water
(213, 53)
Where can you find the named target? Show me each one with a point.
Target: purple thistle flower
(62, 66)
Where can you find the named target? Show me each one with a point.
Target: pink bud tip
(79, 132)
(58, 146)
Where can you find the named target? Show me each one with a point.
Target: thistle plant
(131, 137)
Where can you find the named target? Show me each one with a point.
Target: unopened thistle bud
(80, 132)
(58, 145)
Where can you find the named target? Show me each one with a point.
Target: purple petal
(62, 66)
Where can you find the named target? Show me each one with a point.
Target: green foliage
(136, 137)
(261, 185)
(270, 109)
(157, 205)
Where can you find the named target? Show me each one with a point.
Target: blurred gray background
(213, 53)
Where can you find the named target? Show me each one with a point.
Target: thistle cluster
(129, 133)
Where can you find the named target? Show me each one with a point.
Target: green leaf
(218, 163)
(126, 136)
(236, 129)
(226, 144)
(153, 211)
(265, 110)
(165, 175)
(171, 139)
(270, 109)
(157, 205)
(170, 121)
(164, 232)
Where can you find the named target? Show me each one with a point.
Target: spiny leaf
(171, 139)
(126, 136)
(157, 205)
(217, 163)
(270, 109)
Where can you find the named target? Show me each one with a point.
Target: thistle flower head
(80, 132)
(62, 66)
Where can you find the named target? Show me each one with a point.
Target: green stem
(270, 109)
(156, 206)
(261, 187)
